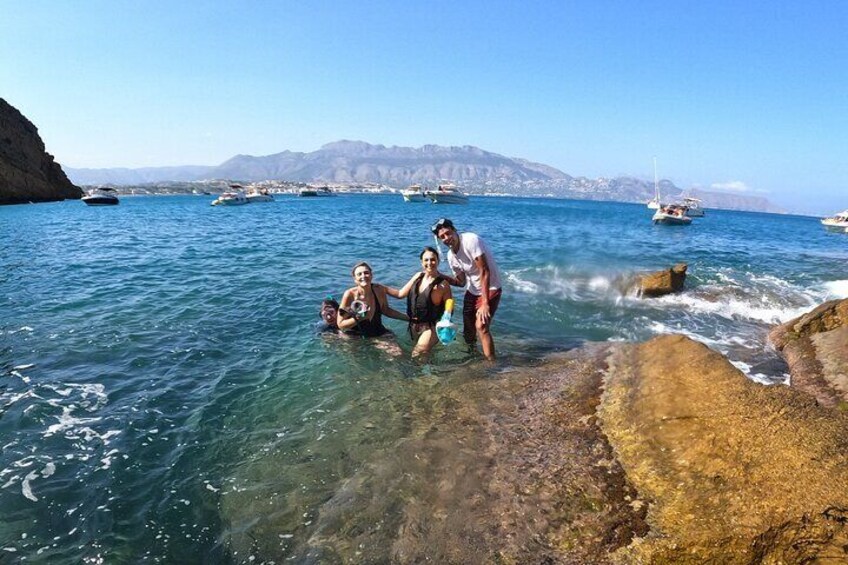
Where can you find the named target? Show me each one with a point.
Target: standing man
(475, 269)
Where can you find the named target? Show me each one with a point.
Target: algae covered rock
(663, 282)
(734, 471)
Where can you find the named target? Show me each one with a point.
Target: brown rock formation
(663, 282)
(734, 472)
(815, 346)
(27, 172)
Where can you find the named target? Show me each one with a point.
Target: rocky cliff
(27, 172)
(815, 346)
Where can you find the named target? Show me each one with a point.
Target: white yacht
(693, 207)
(447, 194)
(102, 196)
(257, 195)
(233, 197)
(671, 215)
(414, 193)
(839, 222)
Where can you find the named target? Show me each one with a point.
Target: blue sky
(750, 96)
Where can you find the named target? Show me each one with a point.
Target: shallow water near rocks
(164, 394)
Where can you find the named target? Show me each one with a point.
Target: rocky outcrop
(663, 282)
(815, 346)
(27, 172)
(733, 471)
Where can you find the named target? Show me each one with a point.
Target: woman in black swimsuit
(367, 321)
(425, 293)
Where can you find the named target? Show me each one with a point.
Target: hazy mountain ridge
(475, 170)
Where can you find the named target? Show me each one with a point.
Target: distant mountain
(355, 162)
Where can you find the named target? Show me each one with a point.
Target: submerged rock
(815, 346)
(27, 172)
(663, 282)
(734, 471)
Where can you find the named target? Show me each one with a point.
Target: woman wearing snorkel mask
(425, 293)
(362, 307)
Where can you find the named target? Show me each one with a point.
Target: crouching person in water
(362, 307)
(425, 293)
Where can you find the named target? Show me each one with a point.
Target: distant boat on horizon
(414, 193)
(837, 222)
(447, 193)
(320, 191)
(102, 196)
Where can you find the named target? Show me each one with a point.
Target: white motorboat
(102, 196)
(447, 194)
(320, 191)
(693, 207)
(414, 193)
(233, 197)
(839, 222)
(671, 215)
(256, 195)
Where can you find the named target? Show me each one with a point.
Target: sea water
(165, 394)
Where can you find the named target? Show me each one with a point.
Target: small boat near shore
(447, 194)
(414, 193)
(671, 215)
(693, 207)
(233, 197)
(102, 196)
(256, 195)
(838, 222)
(320, 191)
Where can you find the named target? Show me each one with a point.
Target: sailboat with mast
(654, 203)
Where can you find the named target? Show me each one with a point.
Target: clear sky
(750, 96)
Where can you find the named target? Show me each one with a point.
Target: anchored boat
(102, 196)
(447, 194)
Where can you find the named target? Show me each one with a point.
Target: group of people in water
(473, 267)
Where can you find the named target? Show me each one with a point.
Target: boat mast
(656, 184)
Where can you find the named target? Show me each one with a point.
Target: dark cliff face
(27, 172)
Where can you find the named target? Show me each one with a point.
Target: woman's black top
(373, 327)
(419, 304)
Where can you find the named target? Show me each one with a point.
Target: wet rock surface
(661, 452)
(662, 282)
(27, 172)
(733, 471)
(815, 347)
(505, 469)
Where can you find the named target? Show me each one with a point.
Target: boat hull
(414, 197)
(100, 200)
(671, 219)
(447, 198)
(834, 225)
(252, 198)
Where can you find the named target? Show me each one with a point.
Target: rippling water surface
(164, 393)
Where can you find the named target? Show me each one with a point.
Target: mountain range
(476, 171)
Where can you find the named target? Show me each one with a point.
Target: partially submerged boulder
(734, 471)
(815, 346)
(663, 282)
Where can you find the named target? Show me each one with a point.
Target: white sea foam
(26, 487)
(23, 367)
(732, 307)
(837, 289)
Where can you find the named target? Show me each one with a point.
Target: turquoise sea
(165, 395)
